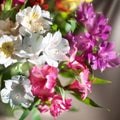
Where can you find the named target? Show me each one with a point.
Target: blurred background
(108, 95)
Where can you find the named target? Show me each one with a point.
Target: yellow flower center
(7, 48)
(34, 15)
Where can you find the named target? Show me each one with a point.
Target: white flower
(39, 50)
(33, 20)
(17, 92)
(30, 46)
(8, 46)
(53, 49)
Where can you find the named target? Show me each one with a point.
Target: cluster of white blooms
(34, 43)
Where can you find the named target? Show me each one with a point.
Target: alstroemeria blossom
(57, 106)
(17, 92)
(8, 46)
(53, 49)
(105, 57)
(43, 81)
(38, 49)
(96, 24)
(82, 85)
(30, 47)
(33, 20)
(85, 13)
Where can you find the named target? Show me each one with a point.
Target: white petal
(8, 84)
(11, 103)
(52, 62)
(5, 94)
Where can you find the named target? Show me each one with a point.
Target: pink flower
(82, 86)
(59, 105)
(56, 105)
(18, 2)
(75, 62)
(15, 2)
(43, 81)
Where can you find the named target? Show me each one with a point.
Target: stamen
(7, 48)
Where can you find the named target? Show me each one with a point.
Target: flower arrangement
(41, 46)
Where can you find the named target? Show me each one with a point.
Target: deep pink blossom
(18, 2)
(56, 105)
(82, 85)
(43, 81)
(59, 105)
(15, 2)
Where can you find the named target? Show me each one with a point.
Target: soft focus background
(108, 95)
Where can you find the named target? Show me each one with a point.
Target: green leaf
(87, 101)
(74, 109)
(67, 27)
(23, 6)
(60, 91)
(10, 14)
(96, 80)
(25, 114)
(35, 114)
(69, 73)
(18, 68)
(54, 27)
(27, 111)
(73, 24)
(8, 5)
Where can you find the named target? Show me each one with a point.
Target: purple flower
(99, 28)
(85, 13)
(84, 42)
(105, 57)
(96, 24)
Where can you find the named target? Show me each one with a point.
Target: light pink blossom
(43, 81)
(75, 62)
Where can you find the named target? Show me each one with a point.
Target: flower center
(35, 15)
(7, 48)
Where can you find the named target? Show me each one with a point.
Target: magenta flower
(96, 24)
(83, 85)
(85, 13)
(43, 81)
(18, 2)
(99, 28)
(56, 105)
(59, 105)
(105, 57)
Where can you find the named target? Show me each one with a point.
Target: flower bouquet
(50, 50)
